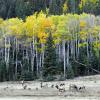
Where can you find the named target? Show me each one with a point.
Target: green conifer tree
(50, 58)
(56, 7)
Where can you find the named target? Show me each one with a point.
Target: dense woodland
(23, 8)
(49, 39)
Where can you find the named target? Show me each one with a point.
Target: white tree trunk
(68, 55)
(32, 63)
(42, 55)
(87, 49)
(64, 58)
(5, 50)
(8, 50)
(59, 47)
(37, 60)
(16, 59)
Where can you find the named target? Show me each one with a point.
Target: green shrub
(27, 76)
(49, 78)
(70, 73)
(61, 78)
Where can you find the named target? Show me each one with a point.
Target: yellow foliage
(82, 44)
(83, 35)
(1, 20)
(47, 23)
(44, 23)
(12, 26)
(30, 25)
(42, 37)
(96, 44)
(82, 24)
(62, 27)
(65, 7)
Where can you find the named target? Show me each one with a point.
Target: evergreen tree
(56, 7)
(23, 9)
(50, 58)
(70, 72)
(39, 5)
(7, 8)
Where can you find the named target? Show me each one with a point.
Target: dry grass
(15, 91)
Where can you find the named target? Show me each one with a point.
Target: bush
(70, 73)
(62, 78)
(3, 71)
(49, 78)
(27, 76)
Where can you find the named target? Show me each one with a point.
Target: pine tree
(39, 5)
(23, 9)
(50, 58)
(56, 7)
(70, 72)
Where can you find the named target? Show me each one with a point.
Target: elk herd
(60, 87)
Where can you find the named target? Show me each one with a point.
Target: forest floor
(15, 91)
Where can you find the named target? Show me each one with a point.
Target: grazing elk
(43, 86)
(61, 89)
(62, 84)
(24, 87)
(57, 86)
(22, 82)
(76, 88)
(73, 87)
(5, 88)
(81, 88)
(52, 86)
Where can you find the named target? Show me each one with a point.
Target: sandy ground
(15, 91)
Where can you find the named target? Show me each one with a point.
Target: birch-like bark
(14, 47)
(67, 54)
(40, 64)
(64, 58)
(5, 50)
(59, 52)
(31, 57)
(16, 60)
(42, 55)
(78, 49)
(8, 51)
(87, 50)
(37, 60)
(32, 54)
(27, 57)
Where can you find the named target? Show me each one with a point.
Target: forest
(47, 39)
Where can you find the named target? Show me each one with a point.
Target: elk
(62, 84)
(76, 88)
(81, 88)
(43, 86)
(24, 87)
(22, 82)
(61, 89)
(73, 87)
(52, 86)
